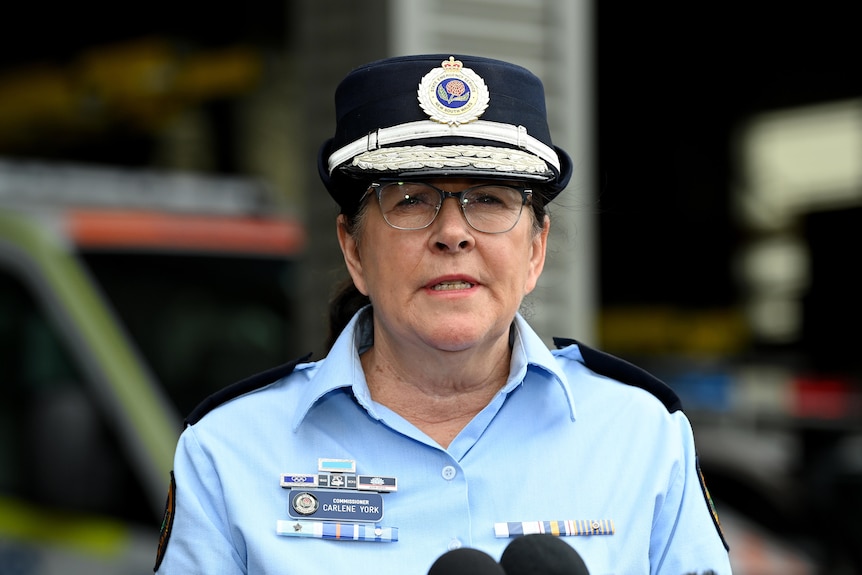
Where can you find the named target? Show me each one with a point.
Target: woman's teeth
(452, 285)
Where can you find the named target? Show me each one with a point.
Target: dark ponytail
(346, 301)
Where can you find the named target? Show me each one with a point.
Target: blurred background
(163, 233)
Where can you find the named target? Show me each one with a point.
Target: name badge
(340, 505)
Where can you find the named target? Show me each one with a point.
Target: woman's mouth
(453, 285)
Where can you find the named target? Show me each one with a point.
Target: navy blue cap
(440, 115)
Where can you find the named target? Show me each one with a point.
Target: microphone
(466, 561)
(541, 554)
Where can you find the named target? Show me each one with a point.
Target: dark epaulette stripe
(239, 388)
(625, 372)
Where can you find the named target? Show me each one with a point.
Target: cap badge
(452, 94)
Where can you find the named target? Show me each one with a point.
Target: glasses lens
(493, 208)
(488, 208)
(409, 205)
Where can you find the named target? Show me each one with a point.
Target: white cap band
(422, 129)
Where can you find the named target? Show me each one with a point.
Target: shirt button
(454, 544)
(448, 473)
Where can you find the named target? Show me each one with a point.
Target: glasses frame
(377, 188)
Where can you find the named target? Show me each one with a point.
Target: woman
(439, 419)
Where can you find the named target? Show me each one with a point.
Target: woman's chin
(456, 336)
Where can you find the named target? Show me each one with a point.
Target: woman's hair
(345, 302)
(347, 299)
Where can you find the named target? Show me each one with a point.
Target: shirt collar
(342, 367)
(529, 351)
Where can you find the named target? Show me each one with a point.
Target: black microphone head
(466, 561)
(541, 554)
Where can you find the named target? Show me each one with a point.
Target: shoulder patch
(241, 387)
(710, 504)
(625, 372)
(167, 523)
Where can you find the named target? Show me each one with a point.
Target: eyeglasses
(489, 208)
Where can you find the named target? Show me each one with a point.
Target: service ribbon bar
(337, 480)
(338, 465)
(568, 528)
(333, 530)
(377, 483)
(289, 480)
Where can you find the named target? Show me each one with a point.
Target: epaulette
(625, 372)
(239, 388)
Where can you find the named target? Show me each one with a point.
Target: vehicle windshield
(201, 321)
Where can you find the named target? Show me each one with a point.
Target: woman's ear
(350, 251)
(537, 255)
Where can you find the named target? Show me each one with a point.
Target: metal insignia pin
(305, 503)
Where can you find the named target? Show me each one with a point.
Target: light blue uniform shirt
(558, 443)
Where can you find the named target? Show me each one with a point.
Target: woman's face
(448, 286)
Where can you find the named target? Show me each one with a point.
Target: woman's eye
(417, 200)
(486, 199)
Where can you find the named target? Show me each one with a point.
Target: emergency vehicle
(125, 298)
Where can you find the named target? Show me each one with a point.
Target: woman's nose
(451, 230)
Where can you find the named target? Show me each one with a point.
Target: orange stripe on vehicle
(149, 230)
